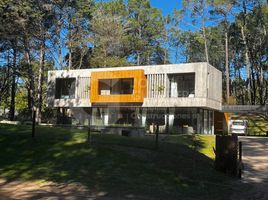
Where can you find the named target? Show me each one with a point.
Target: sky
(166, 6)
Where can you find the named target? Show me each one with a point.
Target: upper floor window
(65, 88)
(116, 86)
(182, 85)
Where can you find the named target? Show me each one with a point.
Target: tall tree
(109, 38)
(223, 9)
(199, 12)
(146, 24)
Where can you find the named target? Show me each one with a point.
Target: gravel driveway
(254, 183)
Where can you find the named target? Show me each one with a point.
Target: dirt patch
(26, 190)
(17, 190)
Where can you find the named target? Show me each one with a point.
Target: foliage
(36, 36)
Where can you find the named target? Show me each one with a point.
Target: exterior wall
(82, 91)
(139, 90)
(214, 85)
(208, 88)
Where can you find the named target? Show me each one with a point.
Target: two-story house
(182, 97)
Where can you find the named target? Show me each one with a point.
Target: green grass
(182, 167)
(202, 143)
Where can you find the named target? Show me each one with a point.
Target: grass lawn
(182, 167)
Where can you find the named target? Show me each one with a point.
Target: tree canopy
(36, 36)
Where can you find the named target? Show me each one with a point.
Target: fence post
(156, 136)
(89, 127)
(33, 123)
(240, 160)
(89, 135)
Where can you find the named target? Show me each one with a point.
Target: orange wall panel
(139, 89)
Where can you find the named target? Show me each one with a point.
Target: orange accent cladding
(226, 118)
(139, 88)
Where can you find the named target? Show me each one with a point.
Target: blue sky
(167, 6)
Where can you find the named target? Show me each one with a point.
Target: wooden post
(33, 123)
(89, 128)
(156, 136)
(89, 135)
(240, 160)
(227, 154)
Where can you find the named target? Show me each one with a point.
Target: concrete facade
(162, 87)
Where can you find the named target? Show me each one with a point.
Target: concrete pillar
(106, 116)
(171, 118)
(206, 120)
(198, 121)
(201, 121)
(144, 112)
(212, 128)
(137, 117)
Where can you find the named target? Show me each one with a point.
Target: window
(116, 86)
(65, 88)
(182, 85)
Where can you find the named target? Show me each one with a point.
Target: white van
(239, 127)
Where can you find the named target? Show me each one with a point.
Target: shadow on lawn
(119, 167)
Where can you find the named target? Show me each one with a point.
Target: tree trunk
(138, 58)
(205, 43)
(29, 100)
(13, 85)
(227, 67)
(138, 52)
(59, 45)
(40, 83)
(70, 58)
(30, 75)
(4, 87)
(247, 63)
(70, 44)
(247, 53)
(205, 39)
(80, 60)
(260, 85)
(253, 88)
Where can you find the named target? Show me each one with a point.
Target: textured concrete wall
(214, 84)
(208, 86)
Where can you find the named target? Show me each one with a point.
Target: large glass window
(65, 88)
(182, 85)
(116, 86)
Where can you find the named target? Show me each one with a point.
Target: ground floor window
(170, 120)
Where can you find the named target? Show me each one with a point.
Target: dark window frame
(121, 83)
(185, 88)
(65, 88)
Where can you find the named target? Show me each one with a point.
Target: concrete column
(206, 118)
(165, 85)
(156, 85)
(198, 121)
(137, 116)
(144, 112)
(171, 118)
(212, 128)
(148, 85)
(201, 121)
(106, 116)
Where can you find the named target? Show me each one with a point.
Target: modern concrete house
(182, 98)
